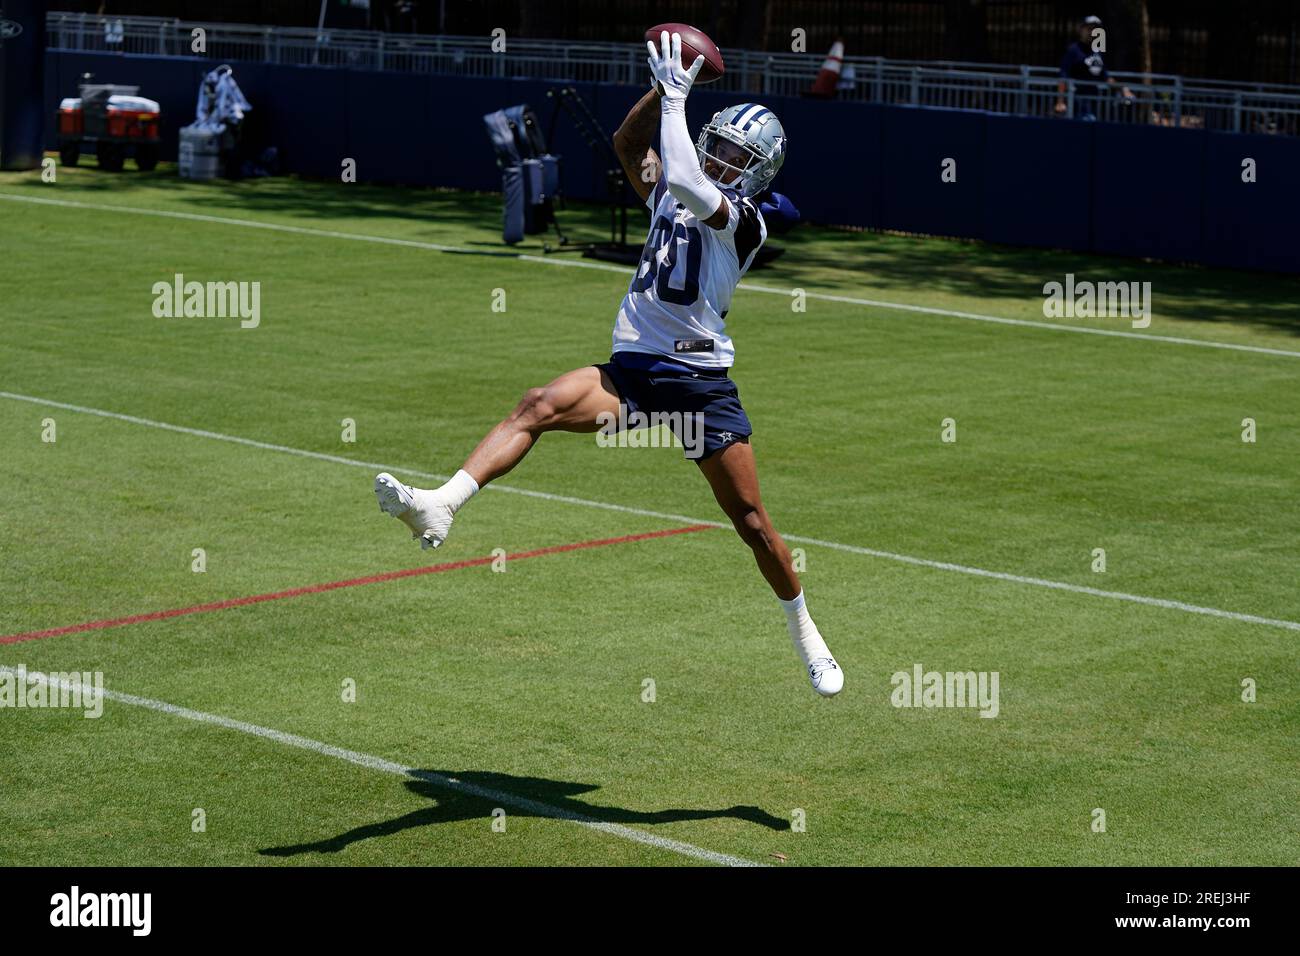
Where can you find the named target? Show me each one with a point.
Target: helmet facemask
(727, 160)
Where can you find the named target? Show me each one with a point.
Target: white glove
(674, 79)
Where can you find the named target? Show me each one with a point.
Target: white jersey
(677, 303)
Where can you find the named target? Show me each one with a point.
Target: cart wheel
(69, 153)
(110, 157)
(146, 157)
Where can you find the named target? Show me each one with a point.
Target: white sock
(459, 490)
(807, 639)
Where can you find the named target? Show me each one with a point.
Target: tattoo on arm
(632, 143)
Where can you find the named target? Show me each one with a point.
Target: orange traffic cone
(828, 77)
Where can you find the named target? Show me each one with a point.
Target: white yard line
(624, 270)
(685, 519)
(499, 797)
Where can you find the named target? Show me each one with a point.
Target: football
(695, 43)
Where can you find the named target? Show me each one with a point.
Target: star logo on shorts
(726, 437)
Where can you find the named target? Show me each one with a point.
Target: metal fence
(1258, 39)
(1155, 99)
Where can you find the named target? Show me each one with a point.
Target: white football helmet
(756, 130)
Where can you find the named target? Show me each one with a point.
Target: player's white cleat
(427, 513)
(826, 676)
(823, 670)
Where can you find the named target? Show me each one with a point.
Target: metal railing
(1157, 99)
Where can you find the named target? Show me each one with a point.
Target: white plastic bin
(200, 153)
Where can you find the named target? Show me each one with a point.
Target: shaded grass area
(964, 275)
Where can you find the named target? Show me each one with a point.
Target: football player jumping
(671, 353)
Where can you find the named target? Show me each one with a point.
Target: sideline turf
(532, 680)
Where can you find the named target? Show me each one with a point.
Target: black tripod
(616, 187)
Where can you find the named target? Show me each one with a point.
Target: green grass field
(527, 686)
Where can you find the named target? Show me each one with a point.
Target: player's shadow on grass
(468, 795)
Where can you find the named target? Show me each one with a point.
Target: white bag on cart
(221, 101)
(217, 121)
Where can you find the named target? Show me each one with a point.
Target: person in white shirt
(671, 352)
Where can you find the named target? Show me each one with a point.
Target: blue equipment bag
(530, 176)
(512, 220)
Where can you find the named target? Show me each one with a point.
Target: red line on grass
(335, 585)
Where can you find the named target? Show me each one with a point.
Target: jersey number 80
(659, 274)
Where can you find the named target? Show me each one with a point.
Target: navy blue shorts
(650, 384)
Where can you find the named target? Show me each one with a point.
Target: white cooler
(200, 153)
